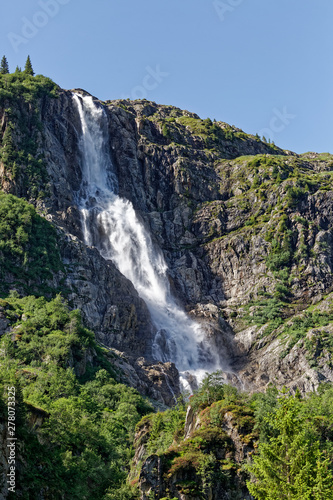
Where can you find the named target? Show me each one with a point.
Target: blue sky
(262, 65)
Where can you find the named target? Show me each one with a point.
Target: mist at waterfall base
(111, 225)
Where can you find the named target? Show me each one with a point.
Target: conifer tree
(291, 464)
(28, 67)
(4, 68)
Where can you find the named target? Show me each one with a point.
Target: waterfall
(112, 226)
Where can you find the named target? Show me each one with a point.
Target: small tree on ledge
(28, 67)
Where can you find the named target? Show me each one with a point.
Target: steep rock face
(295, 354)
(156, 380)
(168, 181)
(60, 143)
(198, 203)
(240, 222)
(111, 306)
(206, 463)
(107, 299)
(158, 165)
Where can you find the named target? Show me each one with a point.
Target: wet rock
(156, 380)
(200, 203)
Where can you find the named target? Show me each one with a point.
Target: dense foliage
(295, 460)
(83, 448)
(20, 95)
(23, 84)
(289, 438)
(28, 246)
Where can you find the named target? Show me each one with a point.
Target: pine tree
(28, 67)
(8, 153)
(290, 465)
(4, 68)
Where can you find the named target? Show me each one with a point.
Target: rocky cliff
(245, 228)
(204, 460)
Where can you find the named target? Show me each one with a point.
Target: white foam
(111, 224)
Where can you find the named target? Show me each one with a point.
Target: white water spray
(110, 224)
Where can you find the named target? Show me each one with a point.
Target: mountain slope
(244, 226)
(245, 229)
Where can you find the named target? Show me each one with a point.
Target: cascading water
(111, 225)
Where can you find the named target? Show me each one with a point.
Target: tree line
(4, 67)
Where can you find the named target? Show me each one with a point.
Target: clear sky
(262, 65)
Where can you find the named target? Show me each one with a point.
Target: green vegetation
(28, 67)
(281, 253)
(267, 311)
(23, 85)
(24, 164)
(165, 428)
(76, 422)
(291, 327)
(292, 177)
(269, 196)
(295, 461)
(297, 328)
(183, 128)
(83, 447)
(213, 388)
(212, 133)
(4, 68)
(28, 246)
(288, 437)
(20, 94)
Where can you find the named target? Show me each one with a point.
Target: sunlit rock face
(217, 229)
